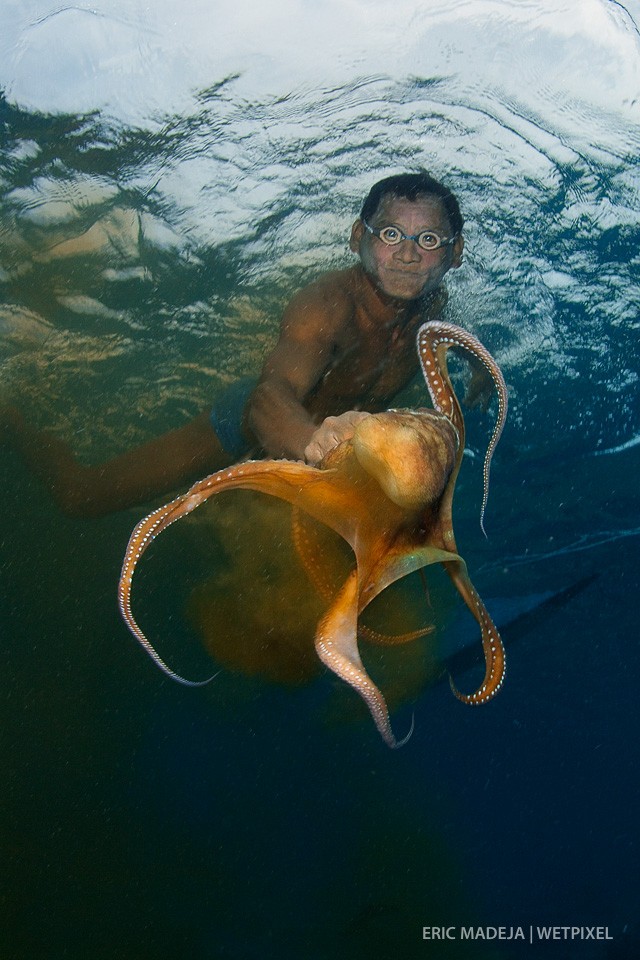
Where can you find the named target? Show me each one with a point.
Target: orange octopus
(388, 491)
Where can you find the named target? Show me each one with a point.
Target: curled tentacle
(284, 479)
(435, 338)
(336, 645)
(309, 551)
(393, 639)
(144, 533)
(491, 643)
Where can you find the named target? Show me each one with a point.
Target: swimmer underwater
(346, 348)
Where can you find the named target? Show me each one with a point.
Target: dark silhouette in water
(515, 629)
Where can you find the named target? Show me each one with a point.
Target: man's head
(423, 212)
(411, 186)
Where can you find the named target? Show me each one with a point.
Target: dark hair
(411, 186)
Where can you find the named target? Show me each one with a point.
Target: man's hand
(330, 433)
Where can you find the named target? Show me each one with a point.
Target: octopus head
(410, 454)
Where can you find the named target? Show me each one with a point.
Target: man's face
(406, 271)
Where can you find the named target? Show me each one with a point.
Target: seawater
(168, 179)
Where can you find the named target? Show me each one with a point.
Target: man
(346, 348)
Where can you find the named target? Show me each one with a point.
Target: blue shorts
(227, 414)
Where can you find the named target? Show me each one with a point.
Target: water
(169, 178)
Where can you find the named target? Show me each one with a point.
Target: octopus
(388, 492)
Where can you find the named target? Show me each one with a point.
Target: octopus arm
(491, 643)
(337, 647)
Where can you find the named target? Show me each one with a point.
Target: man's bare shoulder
(335, 287)
(325, 304)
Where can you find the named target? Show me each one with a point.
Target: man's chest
(376, 369)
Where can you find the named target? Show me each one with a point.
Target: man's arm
(308, 338)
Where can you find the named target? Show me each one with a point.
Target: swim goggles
(426, 240)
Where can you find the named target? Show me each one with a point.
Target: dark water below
(146, 253)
